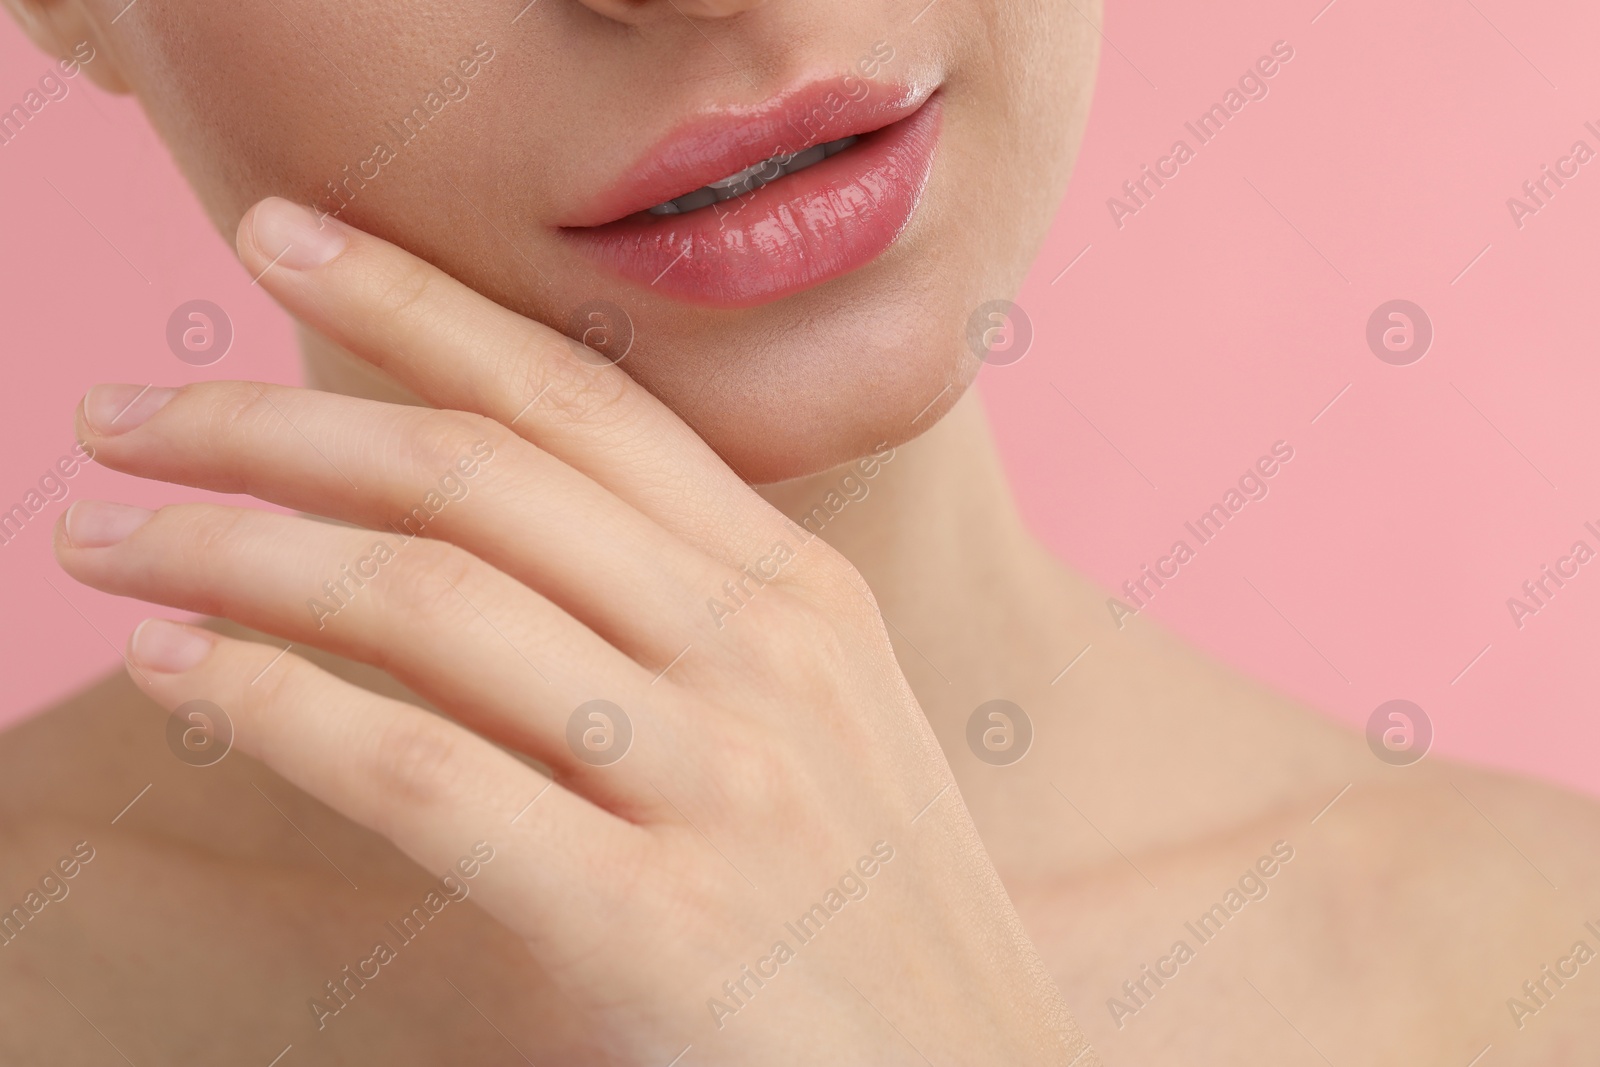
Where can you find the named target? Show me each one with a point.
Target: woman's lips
(796, 232)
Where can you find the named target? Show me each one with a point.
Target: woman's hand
(778, 871)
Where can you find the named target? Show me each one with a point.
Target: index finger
(457, 349)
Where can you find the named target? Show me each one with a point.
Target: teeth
(752, 178)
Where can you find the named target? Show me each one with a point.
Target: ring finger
(482, 646)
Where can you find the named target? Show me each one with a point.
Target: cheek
(285, 97)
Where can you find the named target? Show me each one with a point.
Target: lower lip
(796, 233)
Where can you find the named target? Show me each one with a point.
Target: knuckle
(415, 760)
(405, 294)
(814, 653)
(209, 532)
(590, 397)
(798, 649)
(439, 440)
(275, 688)
(237, 407)
(237, 423)
(528, 369)
(753, 775)
(832, 575)
(428, 578)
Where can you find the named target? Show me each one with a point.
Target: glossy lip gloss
(796, 232)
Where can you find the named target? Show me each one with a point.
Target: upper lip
(722, 141)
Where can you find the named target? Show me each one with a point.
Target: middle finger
(420, 472)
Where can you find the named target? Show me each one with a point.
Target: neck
(966, 592)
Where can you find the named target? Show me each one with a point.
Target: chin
(824, 377)
(791, 406)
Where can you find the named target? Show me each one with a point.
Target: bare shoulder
(107, 759)
(1463, 896)
(69, 757)
(1418, 915)
(108, 756)
(1462, 905)
(1554, 832)
(200, 911)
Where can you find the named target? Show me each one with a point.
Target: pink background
(1223, 316)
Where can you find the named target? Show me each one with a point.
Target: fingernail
(98, 524)
(291, 236)
(168, 648)
(114, 409)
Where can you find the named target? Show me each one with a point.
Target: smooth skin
(770, 754)
(773, 753)
(768, 758)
